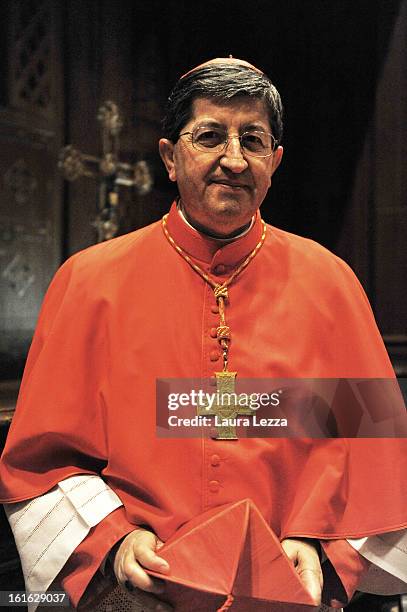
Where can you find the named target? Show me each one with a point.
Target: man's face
(221, 191)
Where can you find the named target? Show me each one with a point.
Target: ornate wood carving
(21, 182)
(31, 130)
(31, 47)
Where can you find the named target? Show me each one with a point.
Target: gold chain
(220, 290)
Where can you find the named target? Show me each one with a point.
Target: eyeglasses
(215, 140)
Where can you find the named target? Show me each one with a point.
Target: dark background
(340, 66)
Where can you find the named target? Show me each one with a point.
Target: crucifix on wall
(111, 172)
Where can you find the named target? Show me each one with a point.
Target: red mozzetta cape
(122, 313)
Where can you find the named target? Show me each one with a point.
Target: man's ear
(166, 149)
(277, 157)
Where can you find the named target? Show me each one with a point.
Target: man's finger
(306, 561)
(136, 552)
(144, 545)
(312, 582)
(148, 558)
(138, 577)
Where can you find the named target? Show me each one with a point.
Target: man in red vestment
(210, 289)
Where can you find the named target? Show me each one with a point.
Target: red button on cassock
(215, 309)
(214, 486)
(214, 355)
(213, 332)
(215, 460)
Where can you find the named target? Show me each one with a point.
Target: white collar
(220, 240)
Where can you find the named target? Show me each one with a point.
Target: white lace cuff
(388, 554)
(47, 529)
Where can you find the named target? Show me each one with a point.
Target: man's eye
(253, 142)
(209, 138)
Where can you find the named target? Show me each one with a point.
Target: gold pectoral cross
(226, 408)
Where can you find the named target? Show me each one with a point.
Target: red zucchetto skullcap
(232, 61)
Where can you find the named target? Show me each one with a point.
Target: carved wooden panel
(31, 42)
(30, 186)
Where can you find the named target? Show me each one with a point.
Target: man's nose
(232, 157)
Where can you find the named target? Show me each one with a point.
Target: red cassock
(122, 313)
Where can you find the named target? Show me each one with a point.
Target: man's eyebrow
(209, 123)
(245, 127)
(256, 126)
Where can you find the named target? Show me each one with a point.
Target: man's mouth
(234, 185)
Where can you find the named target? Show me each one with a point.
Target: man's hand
(136, 552)
(306, 561)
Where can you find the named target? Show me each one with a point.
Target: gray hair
(221, 82)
